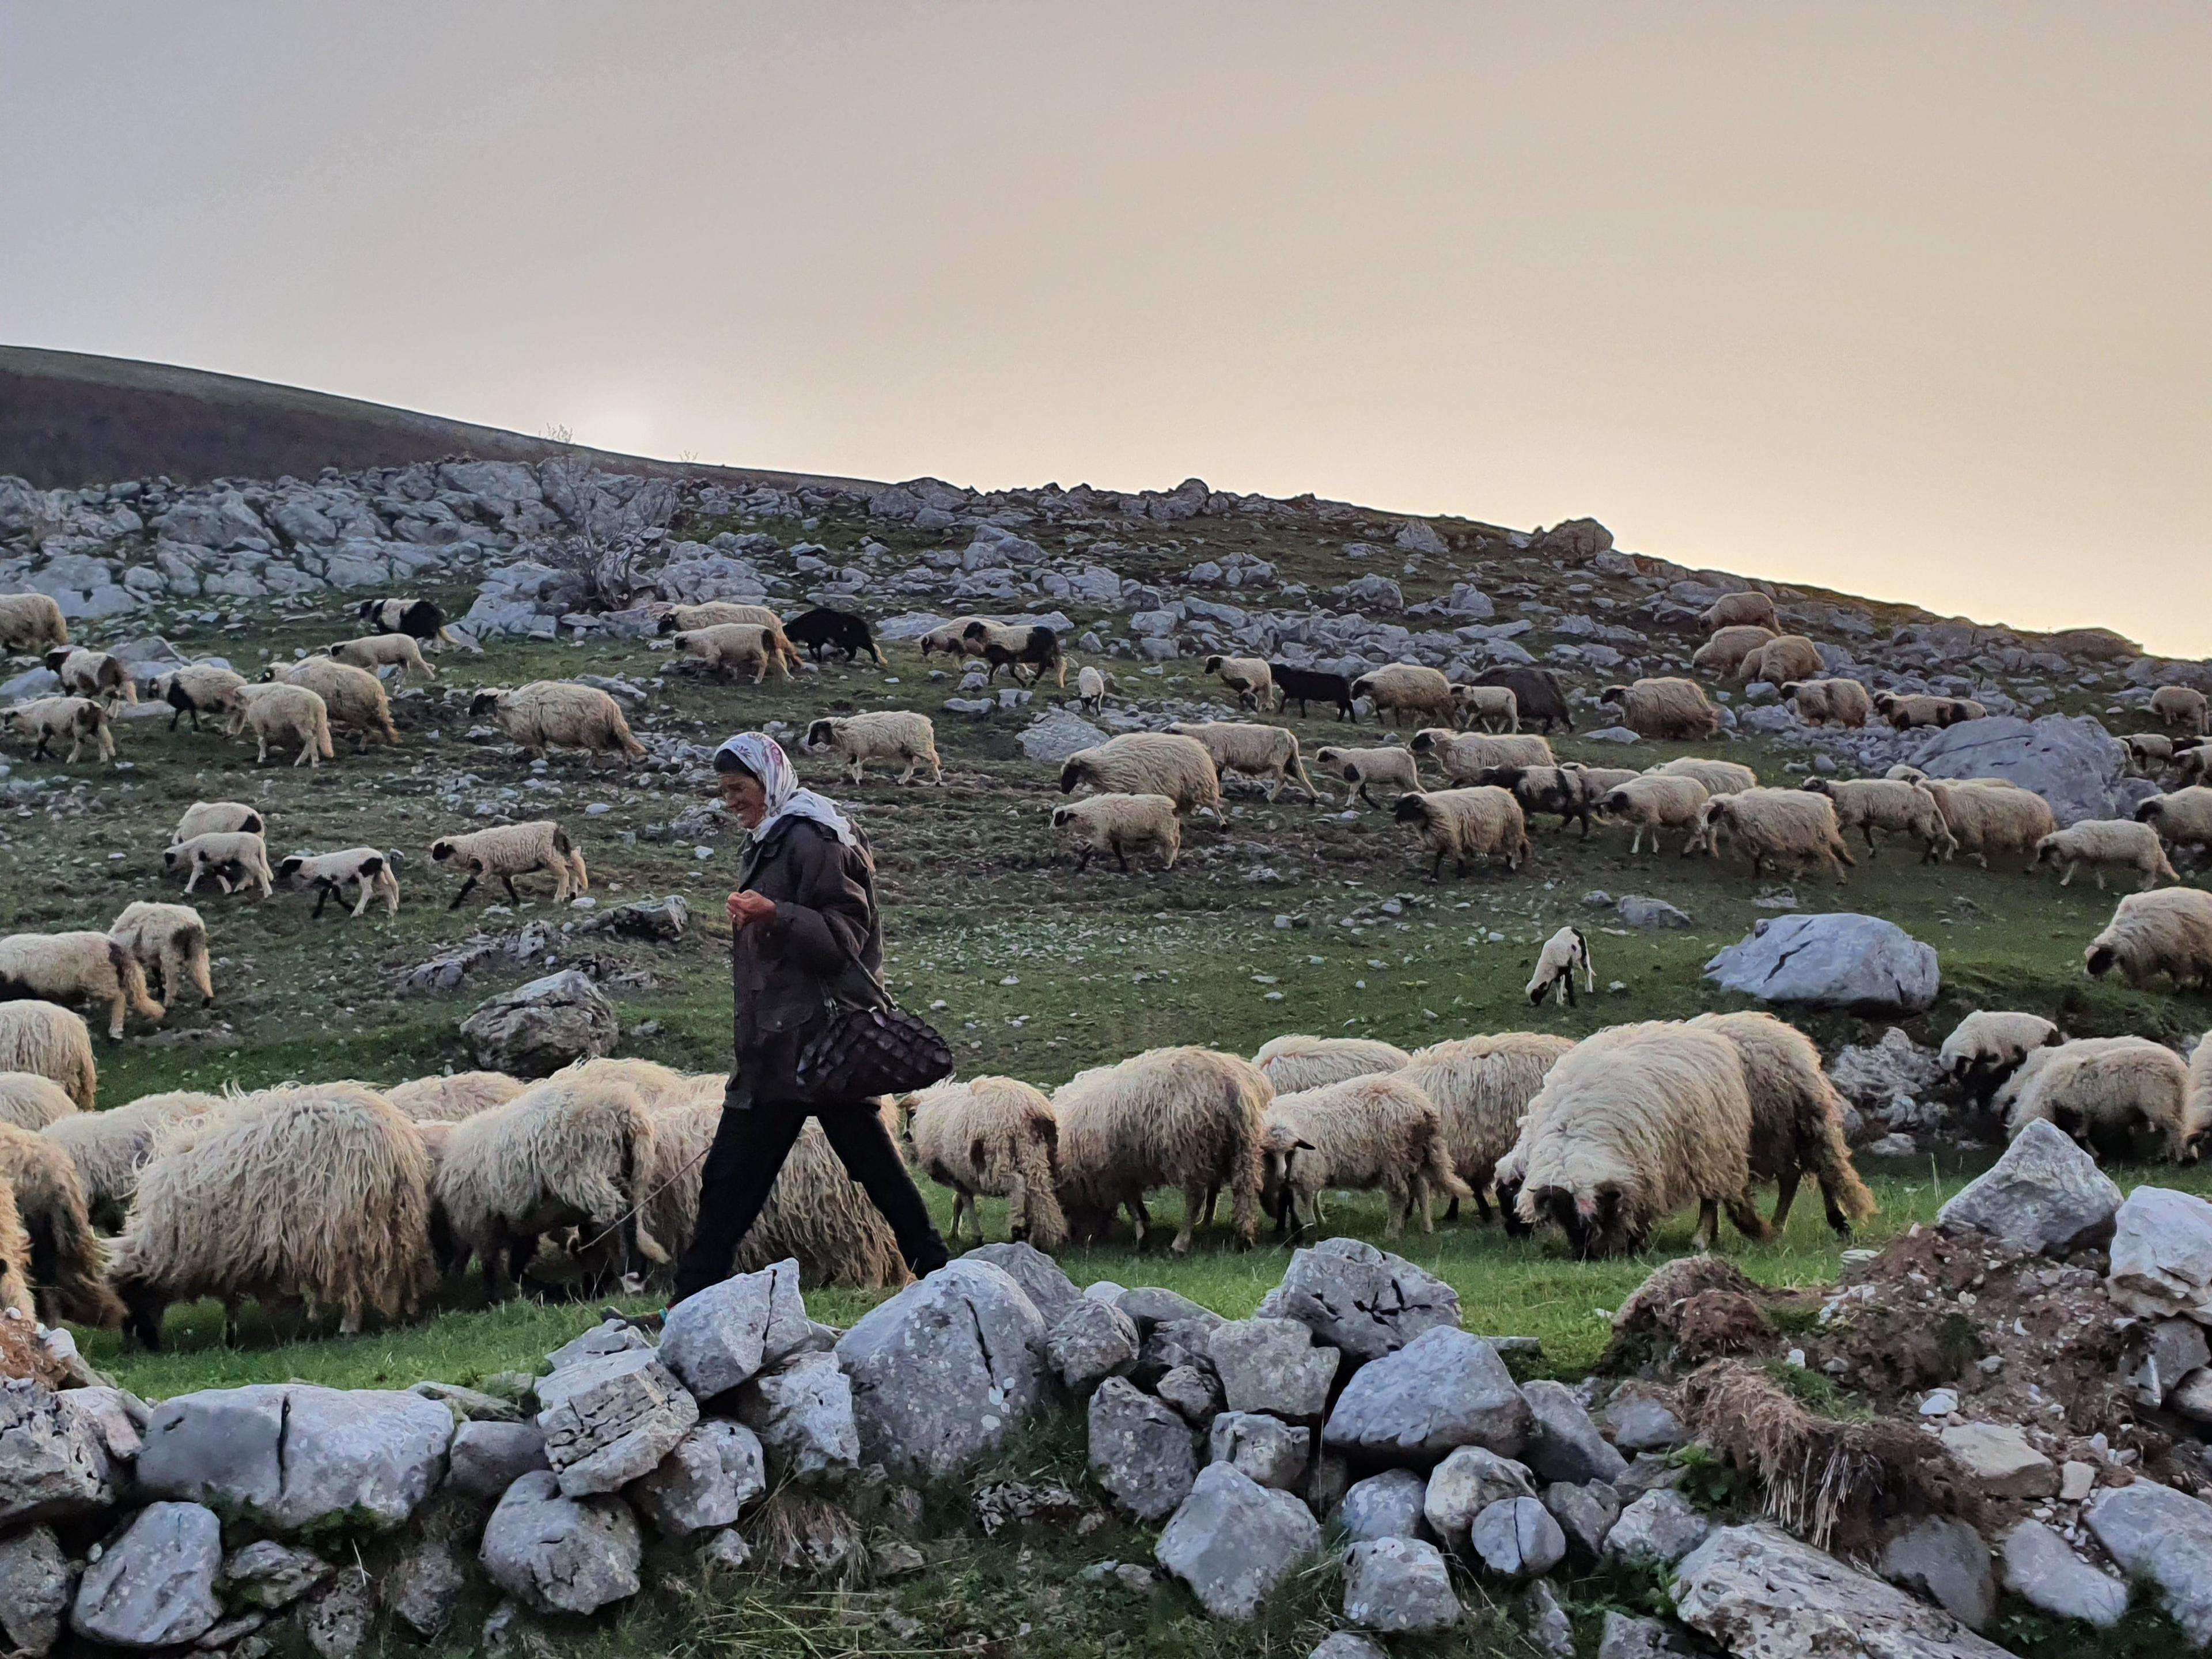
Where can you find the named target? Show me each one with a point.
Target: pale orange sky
(1911, 300)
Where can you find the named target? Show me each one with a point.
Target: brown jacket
(825, 946)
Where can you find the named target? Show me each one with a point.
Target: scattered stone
(609, 1336)
(468, 1405)
(2161, 1254)
(420, 1589)
(1636, 910)
(2076, 1481)
(714, 1472)
(1271, 1365)
(1441, 1390)
(1092, 1341)
(335, 1619)
(1517, 1538)
(1233, 1541)
(609, 1421)
(1546, 1625)
(1362, 1300)
(2043, 1571)
(1563, 1443)
(271, 1576)
(724, 1335)
(53, 1463)
(1873, 1074)
(1998, 1457)
(803, 1413)
(1045, 1504)
(535, 1029)
(1400, 1585)
(118, 1416)
(1140, 1450)
(487, 1458)
(2156, 1533)
(1627, 1637)
(1173, 1345)
(1863, 963)
(726, 1550)
(1272, 1452)
(1193, 1393)
(2044, 1193)
(1467, 1483)
(1585, 1512)
(1347, 1644)
(1151, 1304)
(1945, 1559)
(1056, 734)
(35, 1581)
(1642, 1422)
(1659, 1527)
(1385, 1505)
(154, 1587)
(562, 1554)
(2175, 1348)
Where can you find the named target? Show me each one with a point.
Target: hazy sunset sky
(1914, 299)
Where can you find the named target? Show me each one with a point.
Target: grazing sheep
(1563, 953)
(1572, 790)
(167, 938)
(354, 697)
(68, 1263)
(823, 630)
(1465, 756)
(1906, 711)
(290, 714)
(1724, 653)
(2097, 842)
(2182, 818)
(1796, 1118)
(219, 817)
(1482, 1085)
(31, 623)
(1147, 763)
(1091, 685)
(1720, 777)
(1673, 710)
(71, 967)
(1866, 805)
(1633, 1124)
(951, 638)
(49, 1041)
(1781, 825)
(1739, 609)
(368, 870)
(1036, 648)
(1987, 1047)
(238, 852)
(2123, 1099)
(1247, 676)
(1838, 701)
(1295, 1063)
(715, 613)
(418, 618)
(1257, 753)
(1986, 817)
(995, 1137)
(94, 674)
(1654, 801)
(31, 1102)
(375, 651)
(15, 1259)
(2183, 706)
(1185, 1117)
(1494, 707)
(728, 649)
(1537, 694)
(1391, 768)
(449, 1099)
(1365, 1133)
(75, 718)
(1121, 824)
(888, 734)
(658, 1086)
(1407, 689)
(562, 1153)
(515, 850)
(1306, 686)
(197, 688)
(314, 1191)
(559, 715)
(2196, 1108)
(1466, 824)
(1780, 660)
(109, 1148)
(2168, 931)
(2148, 752)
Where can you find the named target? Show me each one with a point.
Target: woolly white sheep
(1363, 1133)
(1720, 777)
(170, 939)
(50, 1042)
(658, 1086)
(1654, 801)
(886, 734)
(1297, 1062)
(68, 1262)
(94, 674)
(2198, 1108)
(238, 852)
(2183, 706)
(1389, 767)
(1905, 711)
(728, 649)
(31, 623)
(560, 715)
(995, 1137)
(1721, 654)
(450, 1098)
(1562, 954)
(109, 1148)
(76, 967)
(2182, 818)
(2148, 752)
(1121, 824)
(1466, 755)
(1672, 710)
(1147, 763)
(353, 698)
(2168, 931)
(1739, 609)
(1839, 701)
(1247, 676)
(197, 688)
(1987, 1047)
(76, 719)
(1091, 685)
(373, 650)
(2121, 1098)
(1787, 658)
(515, 850)
(1887, 803)
(290, 714)
(684, 618)
(1258, 752)
(2099, 842)
(1466, 824)
(1494, 707)
(15, 1259)
(1483, 1085)
(368, 870)
(31, 1102)
(1409, 689)
(1796, 1117)
(1782, 826)
(951, 638)
(1985, 818)
(219, 817)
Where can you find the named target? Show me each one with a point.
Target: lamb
(197, 688)
(1494, 706)
(1482, 1085)
(2121, 1098)
(1720, 777)
(368, 870)
(509, 850)
(1466, 824)
(1572, 790)
(728, 649)
(1739, 609)
(2183, 706)
(418, 619)
(717, 613)
(31, 623)
(995, 1137)
(2097, 842)
(31, 1102)
(1185, 1117)
(354, 697)
(1905, 712)
(1987, 1047)
(560, 715)
(1121, 824)
(76, 718)
(1147, 763)
(1563, 953)
(1723, 653)
(375, 651)
(1631, 1125)
(1311, 685)
(2148, 752)
(1465, 756)
(317, 1191)
(1654, 801)
(48, 1040)
(1091, 685)
(1036, 647)
(1295, 1063)
(238, 852)
(68, 1263)
(1790, 657)
(1409, 689)
(66, 967)
(823, 630)
(1376, 1131)
(2168, 931)
(564, 1153)
(1985, 818)
(1390, 768)
(219, 817)
(109, 1148)
(1247, 676)
(1780, 825)
(1269, 752)
(1665, 710)
(450, 1098)
(2181, 818)
(290, 714)
(1537, 694)
(1840, 701)
(951, 638)
(167, 938)
(1866, 805)
(886, 734)
(94, 674)
(1796, 1118)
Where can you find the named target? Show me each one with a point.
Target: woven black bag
(860, 1052)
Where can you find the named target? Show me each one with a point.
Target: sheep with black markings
(1465, 756)
(1666, 709)
(368, 870)
(239, 853)
(950, 638)
(1483, 1085)
(1466, 824)
(1147, 763)
(1389, 767)
(2183, 706)
(2123, 1099)
(1091, 685)
(560, 715)
(1260, 753)
(69, 1264)
(1720, 777)
(1987, 1047)
(886, 734)
(1651, 802)
(2192, 765)
(1409, 690)
(1778, 826)
(2148, 752)
(1247, 676)
(1741, 610)
(1296, 1062)
(1796, 1118)
(1494, 707)
(374, 651)
(450, 1098)
(197, 688)
(1014, 648)
(419, 619)
(1890, 804)
(2167, 931)
(1121, 824)
(50, 1042)
(94, 674)
(1562, 954)
(1783, 658)
(2181, 818)
(78, 719)
(2102, 843)
(1572, 790)
(31, 1102)
(1842, 702)
(353, 698)
(1723, 653)
(730, 649)
(1985, 818)
(170, 939)
(1908, 711)
(509, 850)
(993, 1137)
(288, 713)
(76, 967)
(1366, 1132)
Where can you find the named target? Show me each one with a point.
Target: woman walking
(805, 937)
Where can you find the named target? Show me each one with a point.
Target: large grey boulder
(608, 1421)
(1093, 1340)
(2071, 760)
(1944, 1559)
(1271, 1365)
(1233, 1541)
(2001, 1460)
(1517, 1538)
(1862, 964)
(803, 1413)
(2156, 1533)
(1140, 1450)
(2042, 1569)
(2161, 1254)
(1400, 1585)
(1385, 1505)
(154, 1587)
(36, 1582)
(1272, 1452)
(1365, 1301)
(724, 1335)
(535, 1029)
(941, 1371)
(560, 1554)
(1755, 1589)
(1050, 1291)
(54, 1464)
(2044, 1194)
(1056, 734)
(712, 1475)
(487, 1458)
(1464, 1484)
(1443, 1389)
(1563, 1443)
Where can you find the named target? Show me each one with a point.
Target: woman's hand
(750, 909)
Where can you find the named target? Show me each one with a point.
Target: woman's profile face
(743, 795)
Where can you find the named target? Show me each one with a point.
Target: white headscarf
(763, 757)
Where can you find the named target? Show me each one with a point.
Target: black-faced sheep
(1465, 756)
(1985, 818)
(288, 713)
(2124, 1098)
(1184, 1117)
(2148, 752)
(1147, 763)
(2119, 843)
(1359, 1135)
(1669, 710)
(418, 618)
(1258, 752)
(353, 697)
(729, 649)
(375, 651)
(1796, 1117)
(50, 1042)
(1906, 711)
(1466, 824)
(1483, 1085)
(234, 858)
(560, 715)
(1121, 824)
(1407, 690)
(197, 688)
(1739, 610)
(515, 850)
(1987, 1047)
(368, 870)
(1306, 686)
(993, 1137)
(2166, 932)
(84, 967)
(1537, 694)
(1296, 1062)
(94, 674)
(449, 1099)
(1654, 801)
(78, 719)
(1723, 653)
(1091, 685)
(2182, 818)
(1494, 707)
(1778, 826)
(169, 939)
(69, 1265)
(31, 1102)
(31, 623)
(2183, 706)
(1565, 953)
(219, 817)
(1249, 678)
(1890, 804)
(109, 1148)
(887, 734)
(950, 638)
(1388, 768)
(823, 630)
(1036, 648)
(1720, 777)
(1573, 792)
(1780, 660)
(1825, 702)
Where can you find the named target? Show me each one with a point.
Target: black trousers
(749, 1150)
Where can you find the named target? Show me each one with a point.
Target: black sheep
(1305, 684)
(822, 628)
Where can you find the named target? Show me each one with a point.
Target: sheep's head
(169, 856)
(1062, 817)
(289, 869)
(820, 735)
(1411, 809)
(667, 624)
(1363, 686)
(1613, 694)
(1212, 665)
(2049, 849)
(2100, 959)
(1819, 786)
(56, 659)
(1076, 772)
(1424, 741)
(1502, 777)
(442, 849)
(1614, 800)
(975, 632)
(2150, 812)
(483, 703)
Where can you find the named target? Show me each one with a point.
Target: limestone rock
(335, 1619)
(1365, 1301)
(154, 1587)
(487, 1458)
(1862, 964)
(2044, 1194)
(803, 1413)
(119, 1417)
(609, 1421)
(1271, 1365)
(1385, 1505)
(1194, 1392)
(1467, 1483)
(1272, 1452)
(1545, 1624)
(2071, 760)
(1564, 1444)
(535, 1029)
(1347, 1644)
(1233, 1541)
(1153, 1305)
(2042, 1569)
(1400, 1585)
(725, 1335)
(1585, 1512)
(1627, 1637)
(1945, 1559)
(1637, 1421)
(1517, 1538)
(1659, 1526)
(2161, 1254)
(54, 1464)
(421, 1587)
(2156, 1533)
(1443, 1389)
(1050, 1291)
(1092, 1341)
(715, 1471)
(1998, 1457)
(271, 1576)
(35, 1584)
(561, 1554)
(608, 1336)
(1056, 734)
(1140, 1450)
